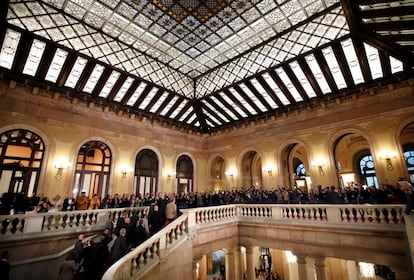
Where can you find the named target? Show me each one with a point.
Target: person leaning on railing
(408, 189)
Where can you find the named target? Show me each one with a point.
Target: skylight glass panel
(396, 65)
(253, 97)
(209, 123)
(243, 101)
(192, 118)
(264, 93)
(212, 108)
(269, 80)
(76, 72)
(297, 70)
(148, 98)
(8, 50)
(159, 102)
(334, 67)
(109, 84)
(218, 102)
(373, 61)
(93, 78)
(123, 90)
(136, 94)
(288, 83)
(232, 104)
(179, 108)
(169, 105)
(353, 61)
(56, 65)
(317, 73)
(33, 60)
(211, 117)
(189, 110)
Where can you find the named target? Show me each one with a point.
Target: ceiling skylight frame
(35, 55)
(109, 84)
(9, 48)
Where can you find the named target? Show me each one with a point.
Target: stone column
(320, 268)
(302, 271)
(251, 275)
(229, 264)
(238, 266)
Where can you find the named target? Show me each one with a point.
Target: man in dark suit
(69, 203)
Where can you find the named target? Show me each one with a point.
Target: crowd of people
(91, 257)
(354, 194)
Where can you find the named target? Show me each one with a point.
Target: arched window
(367, 170)
(185, 174)
(409, 159)
(146, 172)
(21, 157)
(300, 169)
(93, 167)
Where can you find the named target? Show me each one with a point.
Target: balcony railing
(149, 254)
(60, 222)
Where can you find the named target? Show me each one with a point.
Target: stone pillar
(202, 268)
(251, 275)
(229, 264)
(302, 271)
(238, 266)
(320, 268)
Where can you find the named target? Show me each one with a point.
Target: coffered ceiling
(206, 65)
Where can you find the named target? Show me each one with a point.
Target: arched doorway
(146, 173)
(21, 158)
(296, 166)
(93, 168)
(407, 142)
(251, 170)
(354, 162)
(217, 174)
(185, 174)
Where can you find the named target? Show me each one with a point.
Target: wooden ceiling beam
(219, 108)
(269, 91)
(130, 92)
(258, 95)
(247, 98)
(237, 101)
(309, 76)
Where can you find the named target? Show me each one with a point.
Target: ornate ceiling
(206, 65)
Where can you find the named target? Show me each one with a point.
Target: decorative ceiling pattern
(206, 65)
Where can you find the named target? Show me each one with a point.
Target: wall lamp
(387, 156)
(319, 165)
(269, 172)
(229, 174)
(60, 165)
(171, 174)
(124, 172)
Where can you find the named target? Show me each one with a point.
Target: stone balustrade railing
(23, 224)
(149, 254)
(141, 259)
(321, 213)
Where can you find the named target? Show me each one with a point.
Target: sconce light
(124, 172)
(387, 156)
(60, 165)
(269, 172)
(171, 174)
(319, 164)
(229, 174)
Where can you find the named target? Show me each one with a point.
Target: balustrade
(15, 225)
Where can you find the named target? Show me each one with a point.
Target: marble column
(251, 275)
(229, 264)
(302, 271)
(238, 265)
(320, 268)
